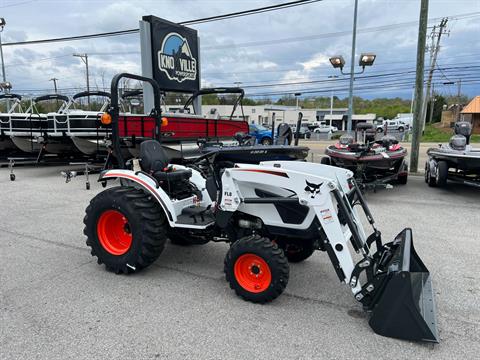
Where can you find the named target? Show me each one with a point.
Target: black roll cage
(10, 96)
(51, 97)
(224, 90)
(114, 111)
(91, 93)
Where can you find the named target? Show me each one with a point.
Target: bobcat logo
(313, 189)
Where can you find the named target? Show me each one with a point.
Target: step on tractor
(270, 213)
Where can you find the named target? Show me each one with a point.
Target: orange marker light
(106, 119)
(164, 121)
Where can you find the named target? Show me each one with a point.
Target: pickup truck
(395, 125)
(322, 128)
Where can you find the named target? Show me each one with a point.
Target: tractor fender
(147, 184)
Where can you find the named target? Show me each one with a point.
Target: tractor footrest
(196, 215)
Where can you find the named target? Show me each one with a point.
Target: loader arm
(397, 287)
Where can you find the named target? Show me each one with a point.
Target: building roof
(473, 106)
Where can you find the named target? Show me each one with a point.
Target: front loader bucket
(405, 307)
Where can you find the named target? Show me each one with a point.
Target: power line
(189, 22)
(247, 12)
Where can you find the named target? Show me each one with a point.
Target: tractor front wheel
(125, 229)
(256, 269)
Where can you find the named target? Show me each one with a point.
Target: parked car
(395, 125)
(261, 133)
(304, 133)
(322, 128)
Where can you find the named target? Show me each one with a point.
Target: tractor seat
(154, 161)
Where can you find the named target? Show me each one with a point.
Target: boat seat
(154, 161)
(346, 140)
(458, 142)
(388, 140)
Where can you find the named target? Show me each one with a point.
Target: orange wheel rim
(252, 273)
(114, 232)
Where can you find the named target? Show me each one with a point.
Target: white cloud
(274, 62)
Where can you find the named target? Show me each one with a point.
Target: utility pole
(432, 104)
(331, 100)
(352, 69)
(54, 84)
(459, 84)
(2, 25)
(417, 121)
(84, 58)
(434, 49)
(411, 102)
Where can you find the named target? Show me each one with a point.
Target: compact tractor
(270, 213)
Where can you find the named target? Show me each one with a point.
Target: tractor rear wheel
(125, 229)
(256, 269)
(296, 250)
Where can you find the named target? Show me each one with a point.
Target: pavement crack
(287, 294)
(51, 242)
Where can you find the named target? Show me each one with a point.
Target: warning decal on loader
(326, 215)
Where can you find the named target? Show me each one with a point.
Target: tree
(439, 102)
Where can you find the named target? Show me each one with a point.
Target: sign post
(170, 55)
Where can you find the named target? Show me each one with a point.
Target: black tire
(325, 160)
(402, 179)
(296, 250)
(429, 179)
(266, 141)
(271, 259)
(12, 177)
(401, 129)
(379, 130)
(442, 173)
(144, 221)
(87, 186)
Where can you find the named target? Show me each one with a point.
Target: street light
(296, 96)
(337, 62)
(5, 85)
(366, 59)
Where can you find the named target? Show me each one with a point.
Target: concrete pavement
(57, 303)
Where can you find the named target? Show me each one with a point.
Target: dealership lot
(57, 303)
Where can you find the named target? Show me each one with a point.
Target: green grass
(441, 135)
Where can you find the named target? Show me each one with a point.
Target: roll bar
(131, 93)
(10, 96)
(114, 111)
(225, 90)
(51, 97)
(91, 93)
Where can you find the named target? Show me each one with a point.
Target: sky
(279, 47)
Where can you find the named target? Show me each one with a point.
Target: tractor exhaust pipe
(403, 303)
